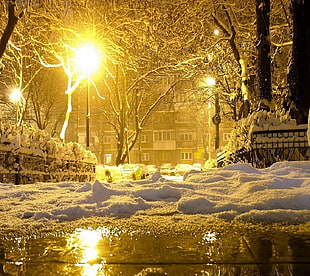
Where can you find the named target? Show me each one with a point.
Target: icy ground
(238, 192)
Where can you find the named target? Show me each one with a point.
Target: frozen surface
(240, 192)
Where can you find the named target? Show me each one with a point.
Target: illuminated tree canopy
(144, 45)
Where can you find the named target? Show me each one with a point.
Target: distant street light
(87, 60)
(210, 81)
(17, 98)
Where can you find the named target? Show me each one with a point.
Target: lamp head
(87, 59)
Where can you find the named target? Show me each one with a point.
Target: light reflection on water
(84, 241)
(112, 251)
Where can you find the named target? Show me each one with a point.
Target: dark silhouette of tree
(263, 51)
(298, 77)
(12, 21)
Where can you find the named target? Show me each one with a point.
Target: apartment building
(175, 133)
(169, 137)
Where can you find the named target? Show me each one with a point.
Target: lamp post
(17, 98)
(216, 119)
(87, 60)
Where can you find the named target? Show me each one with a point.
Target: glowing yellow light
(92, 270)
(86, 241)
(87, 59)
(210, 81)
(216, 32)
(16, 96)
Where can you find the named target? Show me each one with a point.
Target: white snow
(23, 139)
(280, 193)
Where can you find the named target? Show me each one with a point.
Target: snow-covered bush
(39, 143)
(210, 164)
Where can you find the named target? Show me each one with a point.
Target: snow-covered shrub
(39, 143)
(210, 164)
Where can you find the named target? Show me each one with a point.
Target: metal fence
(270, 146)
(21, 168)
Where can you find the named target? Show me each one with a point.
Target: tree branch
(12, 21)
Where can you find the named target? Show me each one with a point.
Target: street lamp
(87, 60)
(216, 119)
(17, 98)
(210, 81)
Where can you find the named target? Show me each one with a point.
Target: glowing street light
(17, 98)
(210, 81)
(87, 60)
(216, 32)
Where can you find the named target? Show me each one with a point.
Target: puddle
(110, 250)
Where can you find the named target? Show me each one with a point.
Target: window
(186, 137)
(106, 139)
(164, 157)
(163, 135)
(145, 156)
(187, 156)
(107, 158)
(144, 138)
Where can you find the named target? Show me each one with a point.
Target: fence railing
(22, 168)
(270, 146)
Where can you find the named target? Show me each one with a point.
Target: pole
(217, 125)
(209, 131)
(87, 113)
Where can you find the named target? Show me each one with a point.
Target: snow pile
(39, 143)
(280, 193)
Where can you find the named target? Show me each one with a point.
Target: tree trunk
(298, 77)
(12, 21)
(263, 51)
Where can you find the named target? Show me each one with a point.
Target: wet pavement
(152, 248)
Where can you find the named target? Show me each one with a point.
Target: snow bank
(280, 193)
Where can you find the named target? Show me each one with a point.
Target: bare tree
(149, 47)
(155, 50)
(22, 70)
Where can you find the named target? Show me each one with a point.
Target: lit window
(187, 156)
(108, 158)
